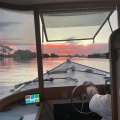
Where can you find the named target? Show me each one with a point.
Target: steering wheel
(83, 98)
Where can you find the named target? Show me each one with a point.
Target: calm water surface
(14, 72)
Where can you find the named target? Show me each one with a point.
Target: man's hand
(90, 88)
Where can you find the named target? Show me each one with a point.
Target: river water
(14, 72)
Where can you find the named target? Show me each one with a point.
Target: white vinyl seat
(10, 116)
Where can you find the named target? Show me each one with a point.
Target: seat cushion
(10, 116)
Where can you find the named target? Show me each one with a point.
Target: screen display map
(33, 98)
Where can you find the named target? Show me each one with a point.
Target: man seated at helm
(100, 104)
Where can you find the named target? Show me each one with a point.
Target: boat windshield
(18, 64)
(75, 46)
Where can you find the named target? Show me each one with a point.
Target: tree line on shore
(7, 52)
(94, 55)
(20, 55)
(99, 55)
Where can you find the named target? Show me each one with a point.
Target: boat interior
(51, 24)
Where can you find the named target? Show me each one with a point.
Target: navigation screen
(33, 98)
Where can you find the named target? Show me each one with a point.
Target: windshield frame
(44, 29)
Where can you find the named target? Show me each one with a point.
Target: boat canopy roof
(54, 4)
(36, 2)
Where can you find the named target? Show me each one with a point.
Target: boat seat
(10, 116)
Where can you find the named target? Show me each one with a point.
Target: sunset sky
(17, 32)
(65, 49)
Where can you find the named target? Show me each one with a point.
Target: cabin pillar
(39, 53)
(118, 9)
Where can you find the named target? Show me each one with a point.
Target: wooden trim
(54, 93)
(65, 92)
(16, 97)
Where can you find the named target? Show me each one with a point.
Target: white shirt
(101, 104)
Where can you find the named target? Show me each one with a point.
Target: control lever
(107, 84)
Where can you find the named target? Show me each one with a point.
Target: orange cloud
(65, 49)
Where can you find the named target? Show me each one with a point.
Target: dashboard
(59, 103)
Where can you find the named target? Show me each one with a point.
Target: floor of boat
(66, 112)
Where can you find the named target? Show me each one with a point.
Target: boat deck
(68, 74)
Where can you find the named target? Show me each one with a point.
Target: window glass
(114, 20)
(18, 65)
(70, 63)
